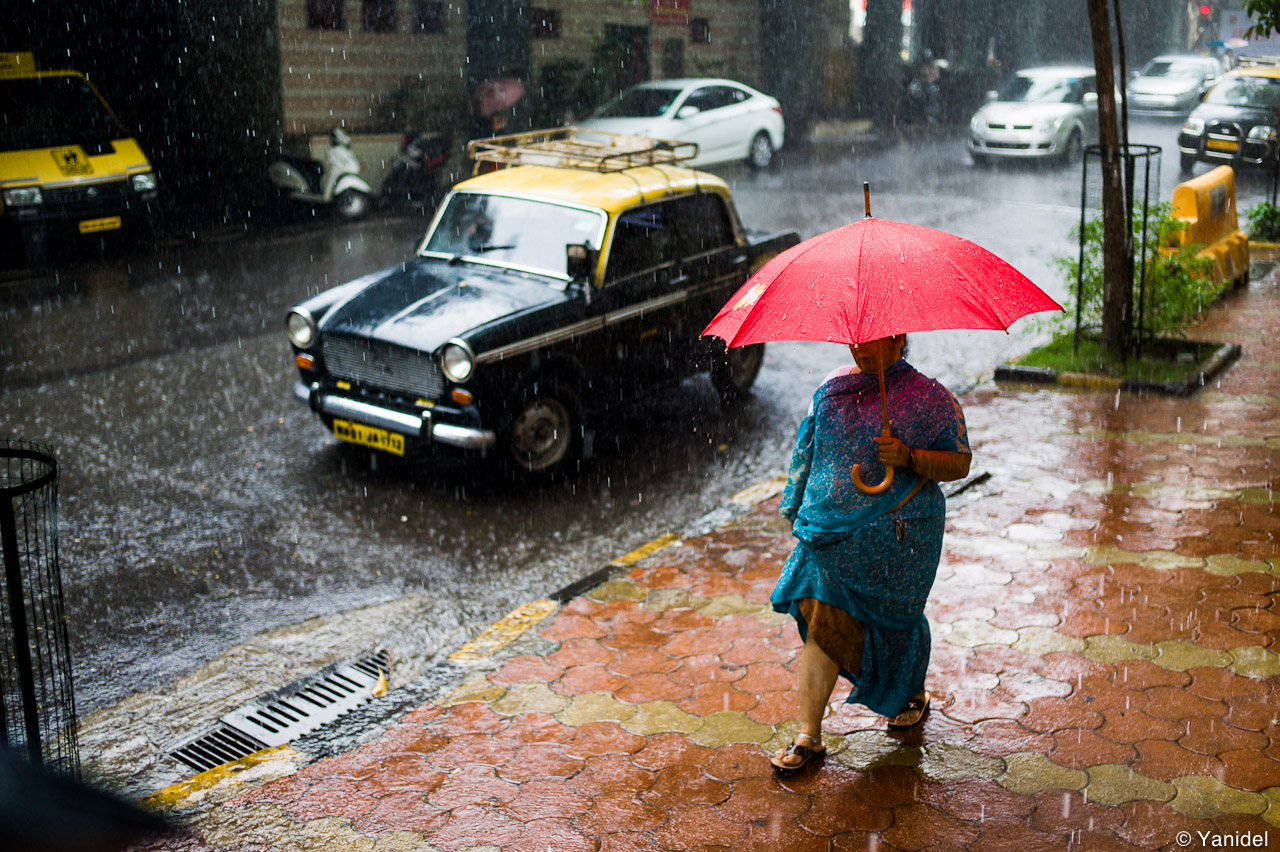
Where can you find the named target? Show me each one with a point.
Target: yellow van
(66, 162)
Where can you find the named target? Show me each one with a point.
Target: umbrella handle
(856, 473)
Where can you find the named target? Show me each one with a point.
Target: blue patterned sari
(848, 553)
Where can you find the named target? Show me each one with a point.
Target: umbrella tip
(866, 196)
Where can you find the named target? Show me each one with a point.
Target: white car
(1173, 84)
(1041, 113)
(728, 120)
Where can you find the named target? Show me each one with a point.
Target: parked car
(1041, 113)
(574, 279)
(727, 120)
(1172, 85)
(1236, 123)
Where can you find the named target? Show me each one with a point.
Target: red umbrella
(873, 279)
(495, 95)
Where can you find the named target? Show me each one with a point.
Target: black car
(1236, 123)
(541, 296)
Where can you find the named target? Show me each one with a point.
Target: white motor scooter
(336, 181)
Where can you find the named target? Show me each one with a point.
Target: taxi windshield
(1026, 88)
(1255, 92)
(517, 232)
(48, 112)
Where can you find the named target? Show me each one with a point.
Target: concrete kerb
(1219, 360)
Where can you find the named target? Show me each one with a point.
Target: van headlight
(1194, 126)
(144, 182)
(27, 196)
(457, 362)
(300, 327)
(1262, 133)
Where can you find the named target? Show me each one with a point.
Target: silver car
(1041, 113)
(1172, 85)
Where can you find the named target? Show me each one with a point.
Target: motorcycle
(336, 181)
(414, 176)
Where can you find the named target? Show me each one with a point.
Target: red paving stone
(465, 775)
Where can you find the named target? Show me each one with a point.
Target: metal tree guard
(37, 703)
(1091, 197)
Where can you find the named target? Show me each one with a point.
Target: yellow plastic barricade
(1208, 205)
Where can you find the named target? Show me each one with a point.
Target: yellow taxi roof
(1269, 71)
(612, 192)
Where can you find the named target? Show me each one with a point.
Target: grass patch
(1163, 359)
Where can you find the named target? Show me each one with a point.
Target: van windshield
(48, 112)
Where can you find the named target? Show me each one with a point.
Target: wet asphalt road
(200, 505)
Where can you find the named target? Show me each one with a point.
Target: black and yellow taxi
(574, 275)
(1236, 122)
(66, 161)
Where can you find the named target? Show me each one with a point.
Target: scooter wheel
(352, 204)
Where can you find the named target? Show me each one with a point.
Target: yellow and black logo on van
(72, 161)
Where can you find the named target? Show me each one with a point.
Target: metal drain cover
(286, 714)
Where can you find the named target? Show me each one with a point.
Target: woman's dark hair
(906, 341)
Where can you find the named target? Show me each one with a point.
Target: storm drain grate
(219, 746)
(286, 714)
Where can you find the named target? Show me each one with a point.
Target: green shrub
(1178, 284)
(1264, 222)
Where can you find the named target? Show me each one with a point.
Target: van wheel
(760, 154)
(1186, 162)
(734, 372)
(544, 436)
(352, 204)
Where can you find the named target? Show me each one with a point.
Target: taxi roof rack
(1267, 61)
(580, 148)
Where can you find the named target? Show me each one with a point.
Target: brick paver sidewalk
(1106, 630)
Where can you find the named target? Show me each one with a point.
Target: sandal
(805, 753)
(913, 712)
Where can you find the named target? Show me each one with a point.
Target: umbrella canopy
(495, 95)
(877, 278)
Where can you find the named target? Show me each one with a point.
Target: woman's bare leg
(818, 674)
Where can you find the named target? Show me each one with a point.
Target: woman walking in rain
(860, 574)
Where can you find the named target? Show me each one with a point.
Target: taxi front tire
(544, 436)
(734, 372)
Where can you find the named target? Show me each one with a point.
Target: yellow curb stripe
(1084, 380)
(760, 492)
(647, 550)
(175, 794)
(504, 631)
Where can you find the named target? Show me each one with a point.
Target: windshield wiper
(488, 247)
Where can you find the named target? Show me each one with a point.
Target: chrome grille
(383, 365)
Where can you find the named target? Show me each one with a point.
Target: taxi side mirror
(687, 112)
(580, 262)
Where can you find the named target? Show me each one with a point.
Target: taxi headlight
(456, 361)
(24, 197)
(1049, 125)
(977, 122)
(144, 182)
(1262, 133)
(300, 326)
(1194, 126)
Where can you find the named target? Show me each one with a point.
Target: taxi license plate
(1222, 144)
(93, 226)
(368, 436)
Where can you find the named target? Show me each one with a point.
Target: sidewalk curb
(1221, 358)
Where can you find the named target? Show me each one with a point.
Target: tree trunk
(1117, 285)
(882, 67)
